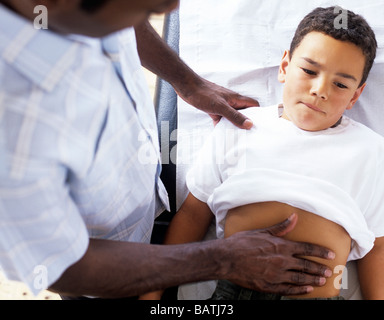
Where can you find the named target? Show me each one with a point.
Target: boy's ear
(284, 66)
(356, 96)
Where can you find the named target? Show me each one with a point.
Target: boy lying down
(302, 157)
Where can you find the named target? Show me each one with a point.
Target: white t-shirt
(335, 173)
(239, 45)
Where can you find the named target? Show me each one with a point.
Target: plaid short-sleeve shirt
(79, 152)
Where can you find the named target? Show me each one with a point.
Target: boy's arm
(190, 224)
(371, 273)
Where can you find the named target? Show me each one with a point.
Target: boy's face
(321, 81)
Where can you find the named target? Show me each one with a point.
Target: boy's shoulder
(360, 127)
(368, 135)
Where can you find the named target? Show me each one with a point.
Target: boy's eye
(340, 85)
(310, 72)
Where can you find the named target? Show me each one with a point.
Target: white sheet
(239, 44)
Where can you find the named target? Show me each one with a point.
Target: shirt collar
(42, 56)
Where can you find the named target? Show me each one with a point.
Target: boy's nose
(320, 89)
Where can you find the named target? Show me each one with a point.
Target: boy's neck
(337, 123)
(284, 116)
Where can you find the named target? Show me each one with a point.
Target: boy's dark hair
(92, 5)
(358, 32)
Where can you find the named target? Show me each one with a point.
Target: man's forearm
(111, 269)
(209, 97)
(159, 58)
(258, 259)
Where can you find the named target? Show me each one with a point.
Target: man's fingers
(237, 118)
(302, 265)
(244, 102)
(289, 289)
(294, 283)
(297, 271)
(301, 248)
(308, 249)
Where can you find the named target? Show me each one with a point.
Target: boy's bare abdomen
(310, 228)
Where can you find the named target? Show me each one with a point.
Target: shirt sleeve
(205, 173)
(375, 213)
(41, 230)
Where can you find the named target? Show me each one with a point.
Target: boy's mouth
(313, 107)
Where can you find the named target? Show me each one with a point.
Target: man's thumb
(282, 228)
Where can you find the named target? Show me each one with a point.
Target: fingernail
(309, 289)
(322, 281)
(248, 124)
(328, 273)
(331, 255)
